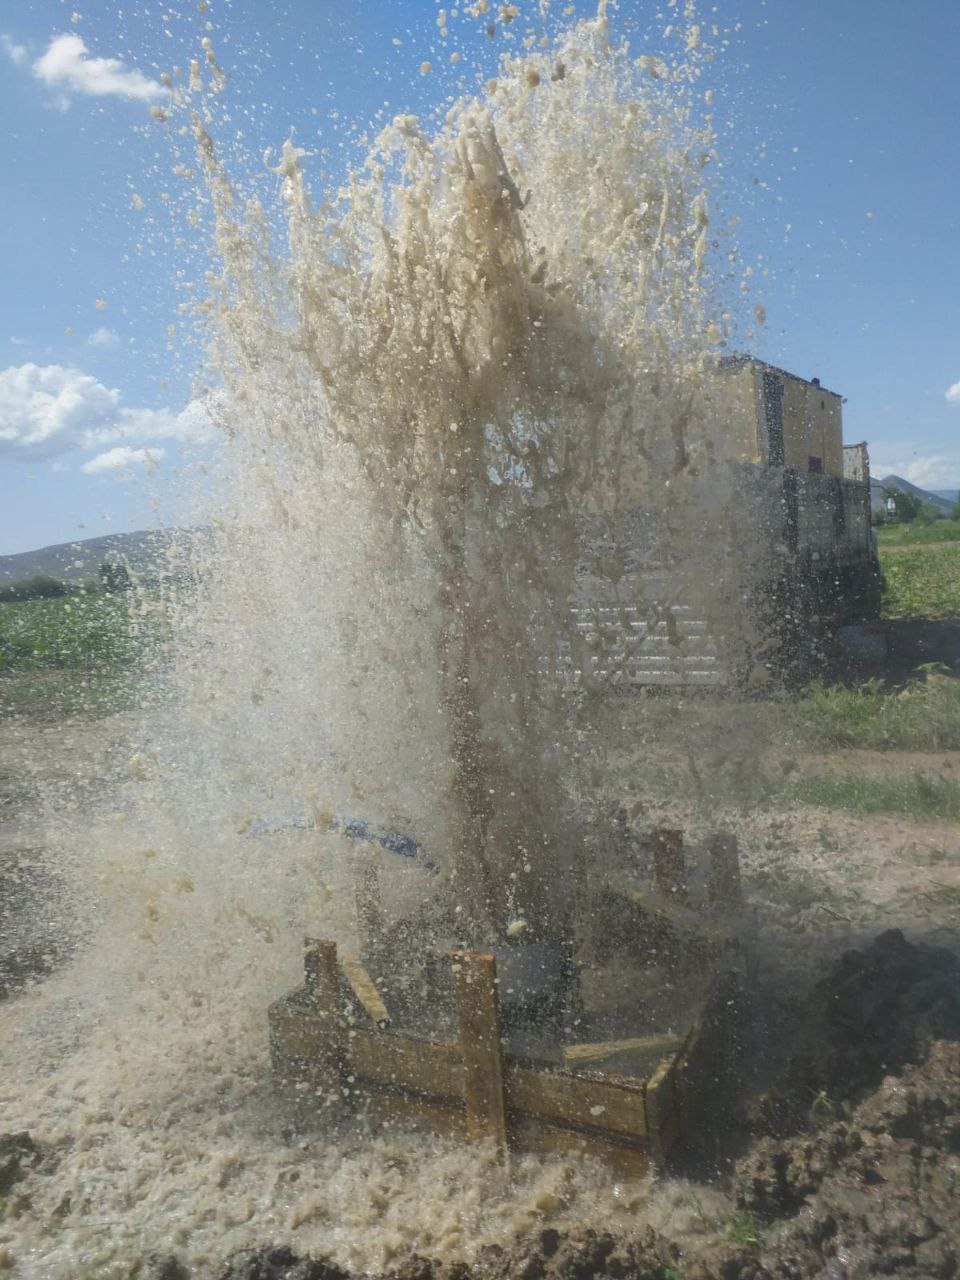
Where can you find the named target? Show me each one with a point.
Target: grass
(924, 716)
(77, 655)
(743, 1227)
(917, 533)
(914, 795)
(87, 633)
(53, 694)
(795, 890)
(922, 581)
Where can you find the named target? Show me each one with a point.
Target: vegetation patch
(922, 581)
(96, 632)
(915, 795)
(923, 716)
(918, 533)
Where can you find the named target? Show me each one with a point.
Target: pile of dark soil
(877, 1011)
(875, 1194)
(547, 1256)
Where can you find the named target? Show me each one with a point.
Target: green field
(93, 633)
(918, 533)
(922, 581)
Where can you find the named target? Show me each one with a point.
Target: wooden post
(322, 983)
(724, 888)
(370, 919)
(669, 868)
(475, 981)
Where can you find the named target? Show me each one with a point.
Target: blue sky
(840, 155)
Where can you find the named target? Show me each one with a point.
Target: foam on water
(493, 328)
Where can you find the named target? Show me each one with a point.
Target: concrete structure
(778, 419)
(856, 463)
(806, 499)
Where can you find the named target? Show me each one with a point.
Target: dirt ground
(843, 1161)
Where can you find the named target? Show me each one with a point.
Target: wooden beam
(669, 867)
(662, 1112)
(386, 1060)
(724, 887)
(578, 1055)
(630, 1159)
(410, 1111)
(566, 1099)
(325, 1016)
(475, 983)
(365, 990)
(702, 930)
(369, 903)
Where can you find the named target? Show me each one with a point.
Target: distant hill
(146, 553)
(952, 495)
(943, 504)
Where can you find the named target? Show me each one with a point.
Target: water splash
(494, 338)
(492, 333)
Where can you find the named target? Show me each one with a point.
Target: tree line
(112, 577)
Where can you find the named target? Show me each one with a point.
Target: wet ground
(841, 1159)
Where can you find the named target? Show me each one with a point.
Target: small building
(778, 419)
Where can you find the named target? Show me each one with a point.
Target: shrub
(40, 587)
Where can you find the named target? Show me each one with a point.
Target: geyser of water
(471, 362)
(489, 335)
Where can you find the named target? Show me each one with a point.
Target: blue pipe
(353, 828)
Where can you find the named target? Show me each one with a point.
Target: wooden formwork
(334, 1040)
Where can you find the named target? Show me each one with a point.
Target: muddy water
(500, 322)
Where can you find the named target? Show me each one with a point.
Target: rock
(18, 1154)
(278, 1262)
(163, 1266)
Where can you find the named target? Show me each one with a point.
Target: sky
(838, 148)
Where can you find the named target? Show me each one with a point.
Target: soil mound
(277, 1262)
(877, 1011)
(873, 1195)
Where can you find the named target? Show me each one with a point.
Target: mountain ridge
(147, 553)
(935, 498)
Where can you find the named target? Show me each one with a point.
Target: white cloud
(952, 393)
(936, 471)
(15, 52)
(107, 339)
(123, 459)
(47, 410)
(67, 66)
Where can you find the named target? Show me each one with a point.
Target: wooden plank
(724, 887)
(407, 1111)
(575, 1055)
(679, 917)
(365, 990)
(475, 983)
(669, 866)
(300, 1049)
(320, 978)
(661, 1112)
(325, 1016)
(390, 1061)
(631, 1159)
(369, 904)
(611, 1104)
